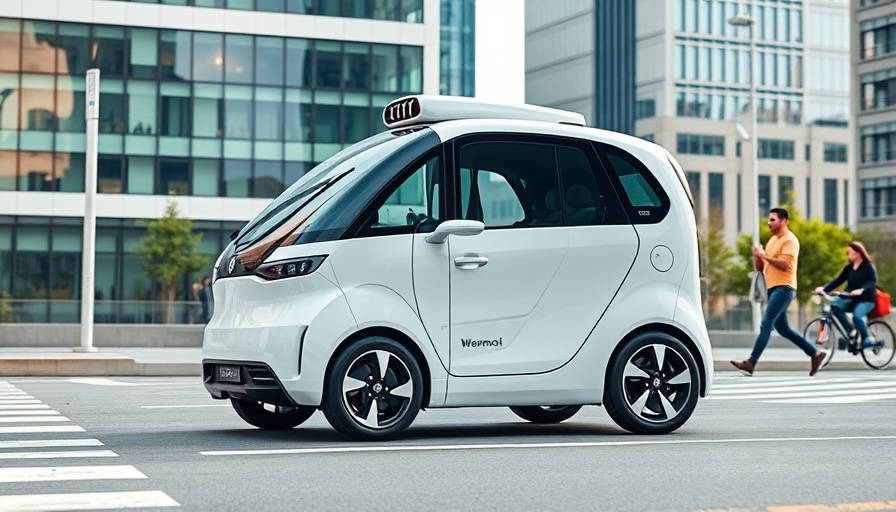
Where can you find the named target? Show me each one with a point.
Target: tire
(271, 417)
(825, 342)
(546, 413)
(359, 396)
(880, 356)
(652, 384)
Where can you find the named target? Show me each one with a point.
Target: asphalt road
(775, 440)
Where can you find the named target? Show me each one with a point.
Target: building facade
(216, 105)
(874, 107)
(689, 70)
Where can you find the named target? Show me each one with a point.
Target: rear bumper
(257, 382)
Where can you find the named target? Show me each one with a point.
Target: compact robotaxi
(472, 254)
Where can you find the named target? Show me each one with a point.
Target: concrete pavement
(187, 361)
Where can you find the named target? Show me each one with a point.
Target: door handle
(470, 262)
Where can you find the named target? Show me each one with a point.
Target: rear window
(641, 193)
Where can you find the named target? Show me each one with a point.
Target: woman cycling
(860, 277)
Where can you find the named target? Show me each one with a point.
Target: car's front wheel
(652, 384)
(374, 389)
(546, 413)
(271, 417)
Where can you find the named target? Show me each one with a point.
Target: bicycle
(877, 356)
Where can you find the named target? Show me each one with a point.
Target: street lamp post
(746, 20)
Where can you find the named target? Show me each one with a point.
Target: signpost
(88, 263)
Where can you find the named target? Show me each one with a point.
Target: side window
(415, 201)
(646, 201)
(588, 194)
(509, 184)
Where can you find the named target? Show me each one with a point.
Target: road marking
(181, 406)
(596, 444)
(33, 419)
(40, 429)
(49, 443)
(853, 399)
(24, 406)
(7, 398)
(821, 386)
(87, 501)
(42, 412)
(806, 394)
(59, 455)
(19, 402)
(794, 383)
(52, 474)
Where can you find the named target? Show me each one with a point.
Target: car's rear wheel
(546, 413)
(374, 389)
(652, 384)
(269, 416)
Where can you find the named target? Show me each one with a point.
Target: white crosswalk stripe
(821, 389)
(23, 415)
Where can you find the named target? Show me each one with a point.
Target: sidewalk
(170, 361)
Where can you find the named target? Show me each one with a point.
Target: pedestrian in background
(207, 299)
(195, 305)
(778, 262)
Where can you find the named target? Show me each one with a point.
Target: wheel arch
(395, 335)
(671, 330)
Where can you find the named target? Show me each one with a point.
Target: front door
(527, 291)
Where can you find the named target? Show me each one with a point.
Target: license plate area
(227, 373)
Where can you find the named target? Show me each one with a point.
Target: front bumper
(257, 382)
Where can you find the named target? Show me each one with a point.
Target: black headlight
(289, 268)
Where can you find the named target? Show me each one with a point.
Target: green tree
(717, 260)
(169, 251)
(882, 246)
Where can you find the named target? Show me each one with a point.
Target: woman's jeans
(841, 306)
(775, 316)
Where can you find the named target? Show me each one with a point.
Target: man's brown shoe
(745, 367)
(816, 362)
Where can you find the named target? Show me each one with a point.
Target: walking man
(778, 263)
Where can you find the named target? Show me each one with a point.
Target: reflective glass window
(175, 109)
(270, 5)
(112, 118)
(240, 4)
(174, 177)
(142, 107)
(268, 181)
(328, 57)
(237, 176)
(385, 68)
(357, 117)
(412, 69)
(73, 48)
(108, 175)
(174, 54)
(10, 45)
(35, 170)
(70, 172)
(9, 162)
(206, 177)
(299, 62)
(299, 6)
(356, 66)
(208, 57)
(143, 57)
(108, 50)
(268, 114)
(412, 11)
(237, 112)
(238, 58)
(208, 104)
(141, 174)
(38, 105)
(357, 8)
(269, 60)
(298, 110)
(31, 278)
(326, 118)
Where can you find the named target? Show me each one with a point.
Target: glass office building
(677, 73)
(218, 120)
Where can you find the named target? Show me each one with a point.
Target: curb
(92, 367)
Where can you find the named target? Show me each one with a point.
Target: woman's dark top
(864, 277)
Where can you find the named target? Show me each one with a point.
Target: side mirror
(455, 227)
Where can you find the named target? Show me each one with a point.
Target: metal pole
(754, 132)
(88, 258)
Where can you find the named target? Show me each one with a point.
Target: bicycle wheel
(879, 357)
(823, 340)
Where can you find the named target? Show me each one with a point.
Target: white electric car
(471, 255)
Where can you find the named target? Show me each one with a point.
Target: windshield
(302, 191)
(314, 209)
